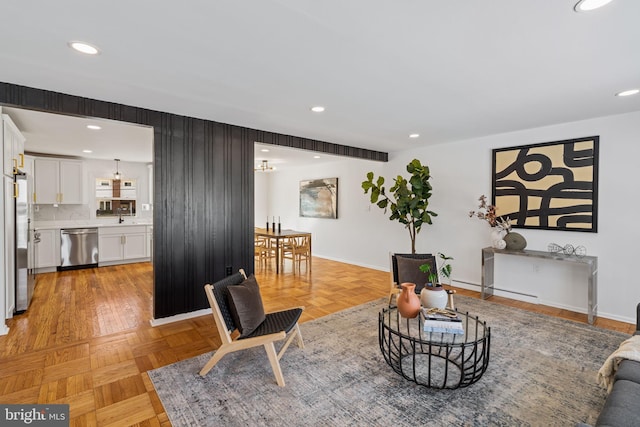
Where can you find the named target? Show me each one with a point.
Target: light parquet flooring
(86, 339)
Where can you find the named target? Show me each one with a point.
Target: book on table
(442, 322)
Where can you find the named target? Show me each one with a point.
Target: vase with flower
(501, 235)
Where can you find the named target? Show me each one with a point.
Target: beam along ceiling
(383, 70)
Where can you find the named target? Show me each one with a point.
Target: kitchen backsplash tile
(62, 212)
(72, 212)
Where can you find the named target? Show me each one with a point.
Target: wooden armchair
(297, 249)
(406, 268)
(263, 252)
(234, 305)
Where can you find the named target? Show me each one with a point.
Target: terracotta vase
(434, 297)
(408, 302)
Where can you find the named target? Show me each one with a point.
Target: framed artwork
(551, 186)
(319, 198)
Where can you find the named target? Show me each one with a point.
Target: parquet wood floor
(86, 339)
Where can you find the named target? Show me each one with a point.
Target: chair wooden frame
(298, 248)
(264, 251)
(227, 327)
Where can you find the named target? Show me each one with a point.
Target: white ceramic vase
(434, 297)
(497, 238)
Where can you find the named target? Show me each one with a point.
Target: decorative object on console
(515, 241)
(499, 225)
(497, 236)
(567, 249)
(551, 186)
(408, 205)
(408, 302)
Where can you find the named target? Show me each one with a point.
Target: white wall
(460, 173)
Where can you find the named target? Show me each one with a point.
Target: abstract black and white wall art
(319, 198)
(552, 185)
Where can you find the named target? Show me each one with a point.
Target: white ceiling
(444, 69)
(48, 133)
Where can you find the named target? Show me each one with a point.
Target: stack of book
(446, 322)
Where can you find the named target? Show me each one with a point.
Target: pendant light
(117, 174)
(264, 167)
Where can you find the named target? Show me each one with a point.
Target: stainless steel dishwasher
(78, 248)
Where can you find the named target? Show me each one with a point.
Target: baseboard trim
(348, 261)
(179, 317)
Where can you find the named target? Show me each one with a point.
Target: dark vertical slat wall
(203, 190)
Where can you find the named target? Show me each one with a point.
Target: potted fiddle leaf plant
(407, 199)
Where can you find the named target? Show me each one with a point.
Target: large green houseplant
(407, 200)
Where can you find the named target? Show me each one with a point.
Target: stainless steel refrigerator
(24, 277)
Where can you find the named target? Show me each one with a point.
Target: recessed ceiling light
(84, 48)
(317, 109)
(265, 150)
(87, 151)
(586, 5)
(414, 135)
(316, 157)
(628, 92)
(93, 127)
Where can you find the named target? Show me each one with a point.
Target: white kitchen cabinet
(150, 242)
(8, 261)
(121, 244)
(58, 181)
(12, 146)
(110, 247)
(46, 244)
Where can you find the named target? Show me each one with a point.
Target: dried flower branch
(487, 212)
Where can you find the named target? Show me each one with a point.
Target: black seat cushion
(245, 304)
(275, 322)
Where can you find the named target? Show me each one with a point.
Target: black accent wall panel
(203, 190)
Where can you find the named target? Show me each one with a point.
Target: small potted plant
(445, 267)
(433, 294)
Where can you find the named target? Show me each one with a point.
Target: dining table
(277, 236)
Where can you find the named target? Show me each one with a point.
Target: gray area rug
(542, 372)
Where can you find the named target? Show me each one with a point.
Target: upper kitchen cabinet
(12, 147)
(58, 181)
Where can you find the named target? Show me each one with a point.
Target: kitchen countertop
(102, 222)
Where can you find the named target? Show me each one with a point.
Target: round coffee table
(434, 359)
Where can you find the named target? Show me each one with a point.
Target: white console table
(487, 285)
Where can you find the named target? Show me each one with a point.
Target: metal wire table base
(434, 359)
